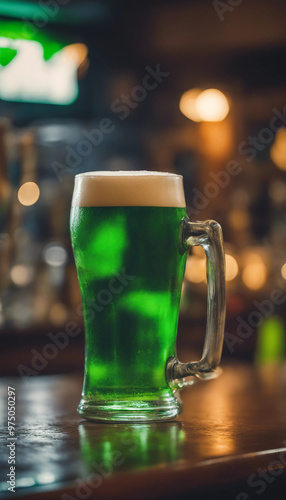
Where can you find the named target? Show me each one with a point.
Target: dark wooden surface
(231, 427)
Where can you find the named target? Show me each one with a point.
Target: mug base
(130, 411)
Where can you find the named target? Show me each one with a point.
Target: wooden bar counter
(230, 438)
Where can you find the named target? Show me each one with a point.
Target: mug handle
(208, 235)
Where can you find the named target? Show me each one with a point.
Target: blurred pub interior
(122, 85)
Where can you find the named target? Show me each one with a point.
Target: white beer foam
(128, 188)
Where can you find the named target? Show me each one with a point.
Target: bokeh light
(188, 104)
(199, 251)
(239, 219)
(55, 255)
(212, 105)
(254, 273)
(278, 149)
(231, 267)
(45, 478)
(21, 274)
(195, 269)
(270, 341)
(283, 271)
(28, 193)
(209, 105)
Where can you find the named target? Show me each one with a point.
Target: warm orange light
(278, 150)
(254, 273)
(28, 193)
(209, 105)
(231, 267)
(76, 51)
(195, 269)
(199, 251)
(188, 104)
(239, 219)
(283, 271)
(212, 105)
(216, 140)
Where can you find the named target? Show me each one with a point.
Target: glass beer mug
(130, 235)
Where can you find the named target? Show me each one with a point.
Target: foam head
(128, 188)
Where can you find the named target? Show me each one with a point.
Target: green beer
(130, 234)
(130, 272)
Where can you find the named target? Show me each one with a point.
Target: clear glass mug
(130, 235)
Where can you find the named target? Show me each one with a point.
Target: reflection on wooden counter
(231, 427)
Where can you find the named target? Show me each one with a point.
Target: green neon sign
(35, 68)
